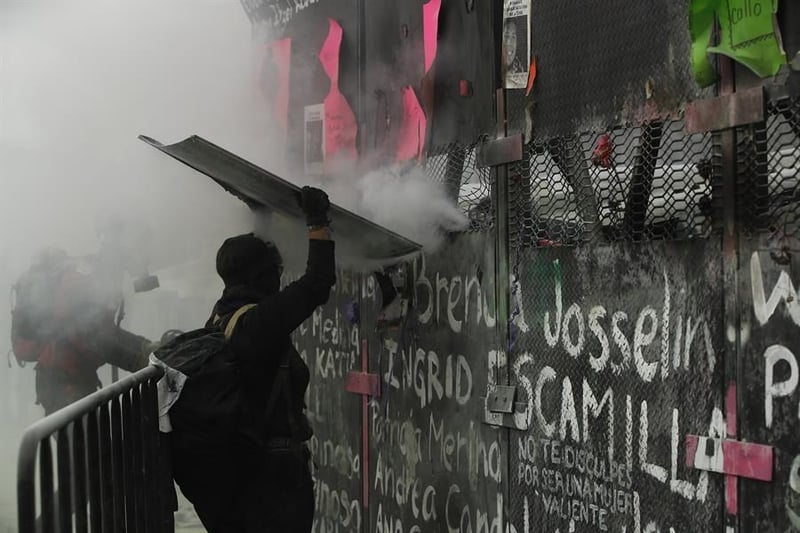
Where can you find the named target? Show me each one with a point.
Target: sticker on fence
(516, 42)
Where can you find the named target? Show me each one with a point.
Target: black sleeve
(123, 349)
(277, 315)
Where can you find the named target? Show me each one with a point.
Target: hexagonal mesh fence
(768, 158)
(632, 184)
(455, 166)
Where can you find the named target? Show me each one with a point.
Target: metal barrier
(109, 469)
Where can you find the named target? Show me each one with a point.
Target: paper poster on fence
(516, 42)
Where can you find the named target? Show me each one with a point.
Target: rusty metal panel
(726, 111)
(616, 351)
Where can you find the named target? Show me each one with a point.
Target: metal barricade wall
(641, 275)
(616, 338)
(768, 214)
(98, 464)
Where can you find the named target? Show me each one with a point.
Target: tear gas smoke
(402, 200)
(79, 80)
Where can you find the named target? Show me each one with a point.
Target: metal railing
(109, 473)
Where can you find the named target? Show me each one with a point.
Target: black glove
(315, 204)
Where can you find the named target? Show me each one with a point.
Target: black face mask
(248, 261)
(268, 281)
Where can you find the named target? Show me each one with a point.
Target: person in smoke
(65, 319)
(259, 479)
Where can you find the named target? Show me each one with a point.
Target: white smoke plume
(79, 80)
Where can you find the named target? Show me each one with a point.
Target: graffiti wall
(434, 466)
(431, 465)
(770, 398)
(330, 345)
(618, 342)
(617, 358)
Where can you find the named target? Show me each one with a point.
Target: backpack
(36, 317)
(201, 393)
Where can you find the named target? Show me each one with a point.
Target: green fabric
(748, 35)
(701, 27)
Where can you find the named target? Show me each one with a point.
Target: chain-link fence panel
(634, 184)
(768, 159)
(455, 167)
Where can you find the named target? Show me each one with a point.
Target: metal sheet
(502, 399)
(363, 383)
(260, 188)
(500, 151)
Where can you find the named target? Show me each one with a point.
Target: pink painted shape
(745, 459)
(412, 130)
(430, 30)
(329, 54)
(341, 128)
(362, 383)
(282, 56)
(691, 449)
(739, 459)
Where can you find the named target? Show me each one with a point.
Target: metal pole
(730, 267)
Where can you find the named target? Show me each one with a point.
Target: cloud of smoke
(402, 200)
(79, 80)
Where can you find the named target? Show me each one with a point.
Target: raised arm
(277, 315)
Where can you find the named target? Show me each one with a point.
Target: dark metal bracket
(504, 148)
(501, 400)
(499, 151)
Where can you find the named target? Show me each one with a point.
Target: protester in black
(258, 480)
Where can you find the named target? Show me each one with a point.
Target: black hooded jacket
(262, 335)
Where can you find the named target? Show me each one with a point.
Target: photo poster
(314, 139)
(516, 42)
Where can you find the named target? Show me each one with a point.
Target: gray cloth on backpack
(169, 389)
